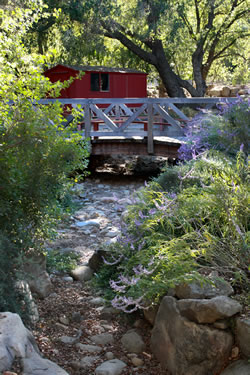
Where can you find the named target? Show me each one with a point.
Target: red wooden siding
(122, 84)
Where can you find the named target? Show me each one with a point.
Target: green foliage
(206, 39)
(168, 238)
(61, 262)
(37, 154)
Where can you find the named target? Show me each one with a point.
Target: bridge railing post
(87, 123)
(150, 129)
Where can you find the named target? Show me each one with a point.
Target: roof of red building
(88, 68)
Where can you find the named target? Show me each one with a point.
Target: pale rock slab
(112, 367)
(208, 310)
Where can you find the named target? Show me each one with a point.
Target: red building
(100, 82)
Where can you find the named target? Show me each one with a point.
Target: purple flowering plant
(224, 129)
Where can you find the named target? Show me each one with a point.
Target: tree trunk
(168, 77)
(200, 82)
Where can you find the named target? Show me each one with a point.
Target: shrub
(61, 262)
(37, 153)
(169, 238)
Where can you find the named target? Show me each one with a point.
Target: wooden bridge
(139, 126)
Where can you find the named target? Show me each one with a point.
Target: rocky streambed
(197, 330)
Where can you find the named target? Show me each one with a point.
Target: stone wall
(199, 331)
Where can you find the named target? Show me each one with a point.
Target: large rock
(37, 276)
(240, 367)
(243, 336)
(82, 273)
(17, 342)
(206, 290)
(187, 348)
(208, 310)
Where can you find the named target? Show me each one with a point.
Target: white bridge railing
(137, 117)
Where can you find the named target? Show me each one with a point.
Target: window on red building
(99, 82)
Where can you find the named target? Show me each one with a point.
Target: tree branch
(198, 18)
(140, 52)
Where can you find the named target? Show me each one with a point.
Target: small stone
(64, 320)
(99, 301)
(137, 361)
(67, 340)
(112, 367)
(131, 355)
(108, 200)
(88, 223)
(113, 233)
(68, 279)
(103, 339)
(88, 361)
(77, 317)
(89, 348)
(107, 313)
(133, 342)
(109, 355)
(235, 352)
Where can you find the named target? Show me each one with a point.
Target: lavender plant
(227, 130)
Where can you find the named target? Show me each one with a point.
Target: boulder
(16, 341)
(243, 336)
(240, 367)
(112, 367)
(82, 273)
(208, 310)
(37, 276)
(212, 288)
(133, 342)
(225, 92)
(187, 348)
